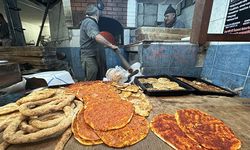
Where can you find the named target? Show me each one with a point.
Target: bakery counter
(234, 111)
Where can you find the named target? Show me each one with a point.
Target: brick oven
(113, 19)
(112, 26)
(116, 9)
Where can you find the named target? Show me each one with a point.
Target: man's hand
(100, 39)
(114, 47)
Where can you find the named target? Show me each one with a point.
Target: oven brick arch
(116, 9)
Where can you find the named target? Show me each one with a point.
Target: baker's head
(170, 15)
(92, 10)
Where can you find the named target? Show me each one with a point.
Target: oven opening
(112, 26)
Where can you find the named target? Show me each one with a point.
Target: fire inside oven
(112, 26)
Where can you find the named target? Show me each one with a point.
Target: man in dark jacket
(170, 20)
(89, 38)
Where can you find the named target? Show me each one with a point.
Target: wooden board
(31, 60)
(162, 30)
(159, 37)
(43, 57)
(26, 48)
(233, 111)
(28, 53)
(160, 34)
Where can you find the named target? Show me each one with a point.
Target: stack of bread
(106, 118)
(136, 96)
(38, 116)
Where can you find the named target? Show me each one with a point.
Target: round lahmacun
(136, 130)
(165, 127)
(79, 138)
(84, 130)
(109, 115)
(98, 91)
(206, 129)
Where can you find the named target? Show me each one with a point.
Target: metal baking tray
(206, 92)
(187, 89)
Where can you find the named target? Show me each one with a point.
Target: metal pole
(44, 18)
(14, 22)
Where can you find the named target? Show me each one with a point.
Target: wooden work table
(234, 111)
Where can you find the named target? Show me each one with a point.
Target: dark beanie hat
(170, 9)
(91, 10)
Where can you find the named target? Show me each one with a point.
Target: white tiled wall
(126, 36)
(161, 11)
(218, 16)
(75, 37)
(216, 26)
(187, 16)
(131, 13)
(217, 20)
(219, 10)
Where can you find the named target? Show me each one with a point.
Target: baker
(170, 19)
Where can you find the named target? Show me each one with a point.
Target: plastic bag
(117, 74)
(136, 66)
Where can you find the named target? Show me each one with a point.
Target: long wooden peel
(123, 61)
(126, 65)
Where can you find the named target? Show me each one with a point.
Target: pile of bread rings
(40, 115)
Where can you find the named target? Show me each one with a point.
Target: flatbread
(6, 119)
(81, 89)
(132, 88)
(84, 130)
(136, 130)
(37, 95)
(76, 85)
(98, 92)
(109, 115)
(162, 83)
(74, 89)
(160, 86)
(9, 108)
(166, 128)
(125, 94)
(79, 138)
(202, 86)
(138, 99)
(142, 80)
(210, 132)
(119, 86)
(138, 94)
(151, 80)
(9, 115)
(142, 106)
(166, 85)
(163, 80)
